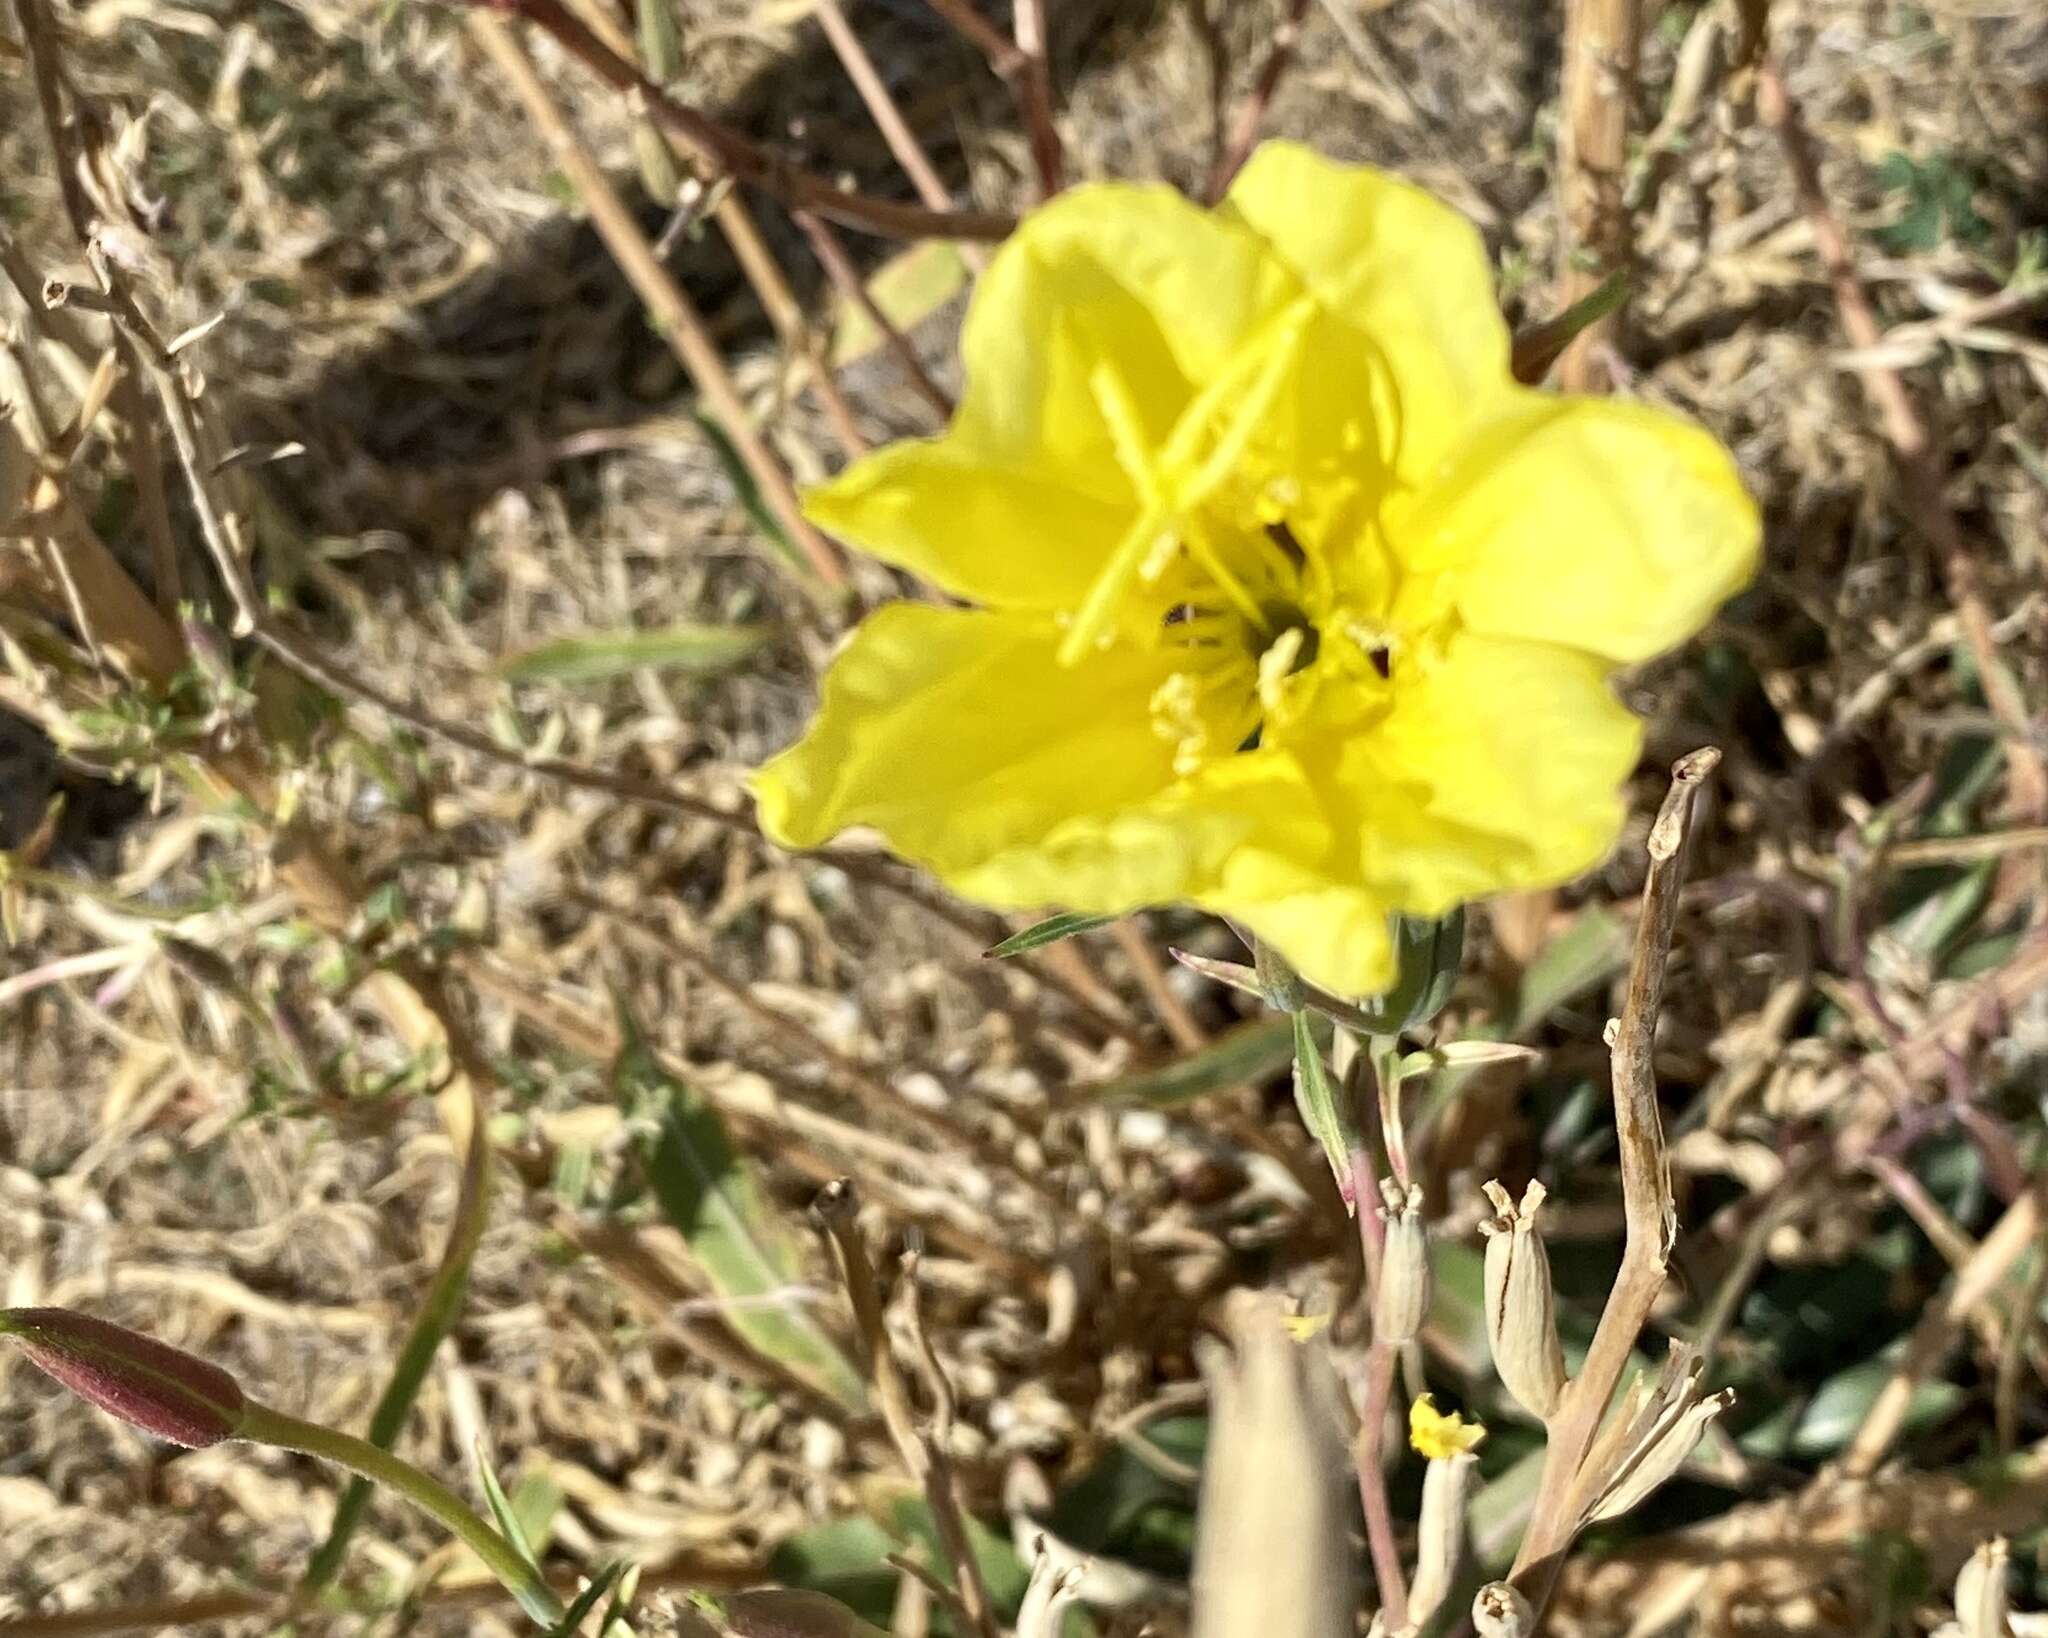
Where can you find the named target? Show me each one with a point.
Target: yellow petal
(1335, 935)
(1499, 766)
(1437, 1436)
(1406, 273)
(1613, 527)
(1020, 502)
(953, 733)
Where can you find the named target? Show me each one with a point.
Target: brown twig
(1023, 69)
(1915, 450)
(925, 1458)
(1651, 1219)
(1979, 1279)
(1602, 40)
(673, 311)
(881, 106)
(1244, 131)
(720, 149)
(846, 277)
(1033, 90)
(1130, 938)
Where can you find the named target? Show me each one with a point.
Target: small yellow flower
(1438, 1437)
(1289, 602)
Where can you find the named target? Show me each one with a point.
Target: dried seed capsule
(1521, 1313)
(1500, 1611)
(1982, 1603)
(147, 1384)
(1440, 1532)
(1402, 1302)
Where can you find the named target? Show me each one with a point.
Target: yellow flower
(1289, 602)
(1438, 1437)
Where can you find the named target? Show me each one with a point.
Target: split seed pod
(1521, 1311)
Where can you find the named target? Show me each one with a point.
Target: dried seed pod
(1440, 1532)
(1983, 1607)
(1521, 1312)
(1402, 1302)
(147, 1384)
(1499, 1611)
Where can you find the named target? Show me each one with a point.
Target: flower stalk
(190, 1401)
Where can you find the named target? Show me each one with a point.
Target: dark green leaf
(747, 1250)
(1049, 931)
(1248, 1054)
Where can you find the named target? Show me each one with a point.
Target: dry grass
(498, 452)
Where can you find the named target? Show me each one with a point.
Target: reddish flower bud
(148, 1385)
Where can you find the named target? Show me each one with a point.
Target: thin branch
(1390, 1582)
(1651, 1220)
(1244, 131)
(720, 149)
(1033, 90)
(881, 106)
(840, 269)
(1915, 450)
(673, 311)
(923, 1455)
(1023, 69)
(1978, 1280)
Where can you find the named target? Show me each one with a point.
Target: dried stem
(838, 1208)
(1980, 1278)
(1033, 90)
(881, 106)
(1915, 450)
(675, 315)
(1244, 131)
(1023, 68)
(846, 277)
(1602, 40)
(721, 150)
(1651, 1220)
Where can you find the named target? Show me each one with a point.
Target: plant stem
(269, 1427)
(1372, 1486)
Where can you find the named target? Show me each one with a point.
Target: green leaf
(1585, 955)
(1327, 1116)
(509, 1525)
(747, 1250)
(748, 494)
(1540, 345)
(1248, 1054)
(586, 1601)
(1049, 931)
(600, 656)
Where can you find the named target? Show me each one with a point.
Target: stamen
(1276, 665)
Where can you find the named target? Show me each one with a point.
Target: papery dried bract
(1650, 1436)
(1440, 1532)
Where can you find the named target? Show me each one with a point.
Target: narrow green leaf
(502, 1510)
(599, 656)
(748, 494)
(1587, 953)
(1540, 345)
(1049, 931)
(586, 1601)
(1328, 1121)
(708, 1190)
(1248, 1053)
